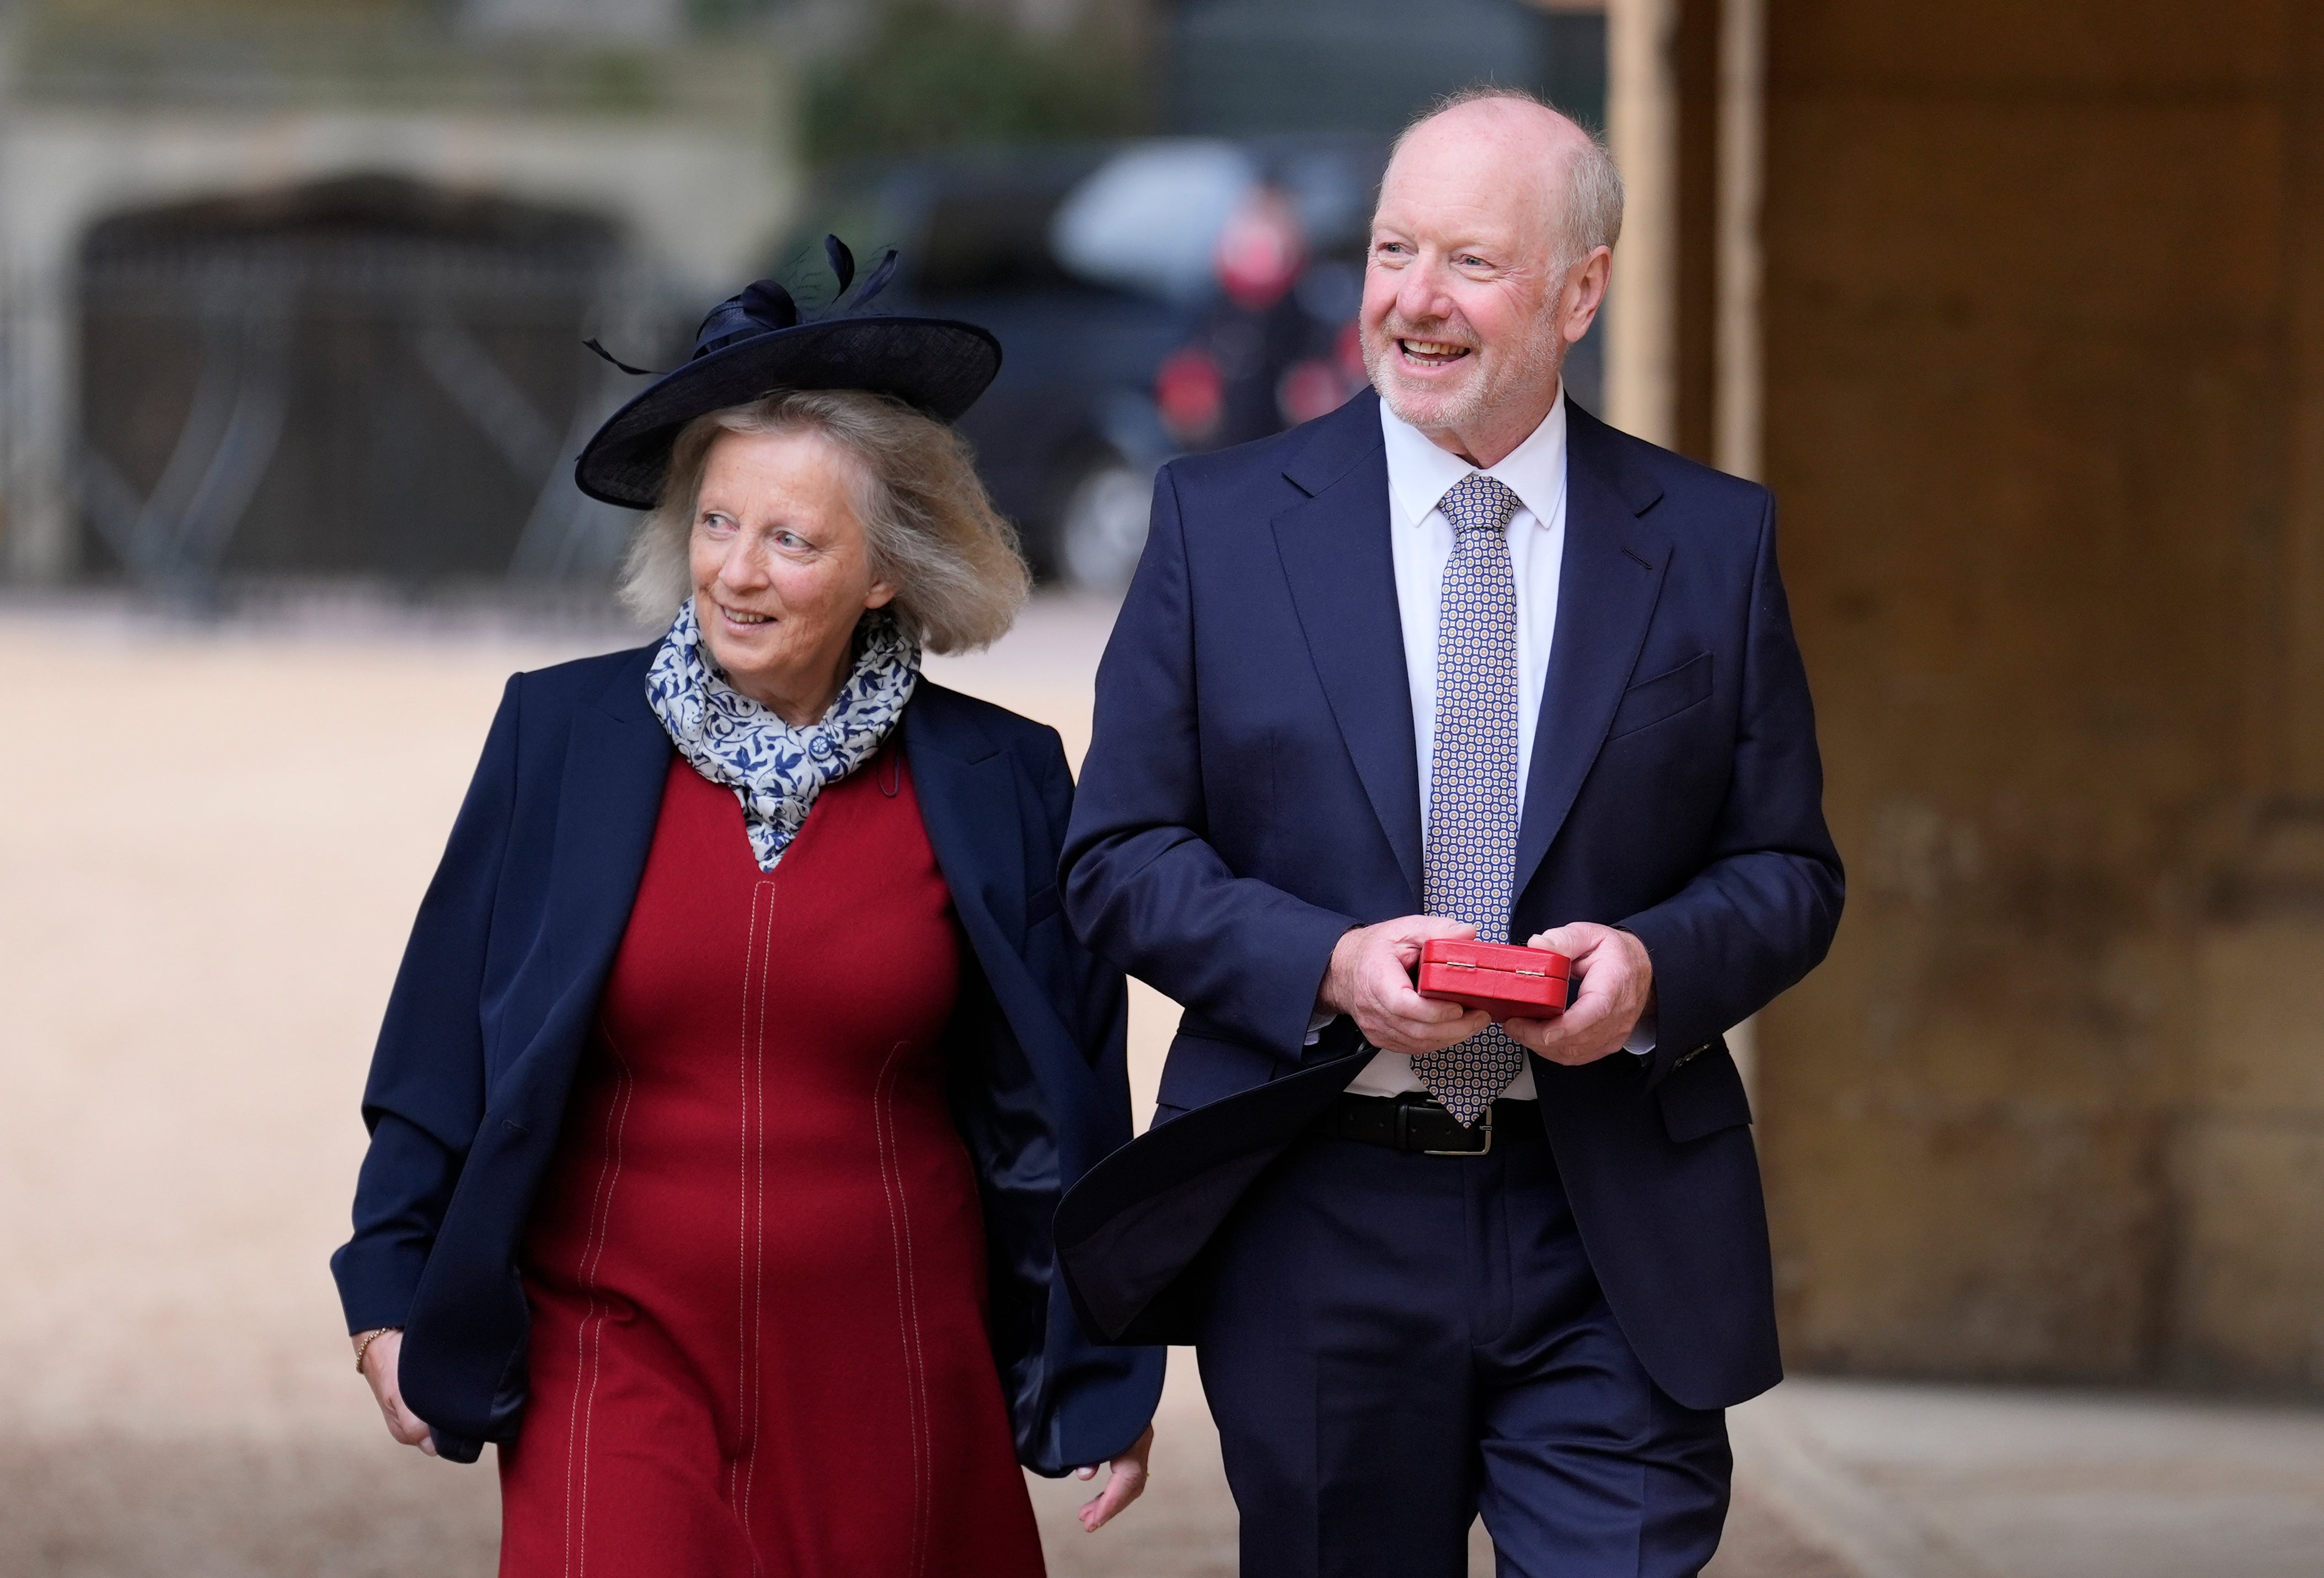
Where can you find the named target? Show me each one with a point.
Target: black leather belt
(1418, 1124)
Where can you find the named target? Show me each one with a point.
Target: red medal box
(1508, 982)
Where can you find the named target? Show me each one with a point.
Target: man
(1456, 660)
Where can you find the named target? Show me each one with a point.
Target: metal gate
(365, 378)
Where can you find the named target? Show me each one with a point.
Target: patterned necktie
(1472, 771)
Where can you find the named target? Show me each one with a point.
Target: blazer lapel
(1335, 552)
(968, 804)
(1608, 584)
(615, 764)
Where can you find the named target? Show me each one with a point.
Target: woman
(739, 1055)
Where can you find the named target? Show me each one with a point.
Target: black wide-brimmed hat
(755, 343)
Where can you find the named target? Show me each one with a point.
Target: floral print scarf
(775, 770)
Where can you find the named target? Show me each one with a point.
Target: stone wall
(2044, 408)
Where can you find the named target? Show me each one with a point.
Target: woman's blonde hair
(932, 531)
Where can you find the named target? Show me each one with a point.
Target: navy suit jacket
(1252, 791)
(499, 989)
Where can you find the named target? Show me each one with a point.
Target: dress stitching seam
(755, 1120)
(742, 1220)
(907, 1312)
(580, 1422)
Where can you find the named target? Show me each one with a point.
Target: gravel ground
(212, 842)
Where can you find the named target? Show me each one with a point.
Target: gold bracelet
(364, 1342)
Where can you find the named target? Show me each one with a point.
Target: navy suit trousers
(1394, 1343)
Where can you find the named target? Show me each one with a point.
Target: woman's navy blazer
(499, 989)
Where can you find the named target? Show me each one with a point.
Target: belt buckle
(1484, 1150)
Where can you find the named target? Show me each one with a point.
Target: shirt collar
(1419, 472)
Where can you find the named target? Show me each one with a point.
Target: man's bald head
(1547, 151)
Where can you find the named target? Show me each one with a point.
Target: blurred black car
(1150, 297)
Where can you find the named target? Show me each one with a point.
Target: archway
(360, 377)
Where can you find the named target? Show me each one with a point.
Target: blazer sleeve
(1762, 911)
(425, 1097)
(1041, 1093)
(1143, 886)
(1098, 995)
(1101, 1398)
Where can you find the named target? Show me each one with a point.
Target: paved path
(1956, 1482)
(211, 844)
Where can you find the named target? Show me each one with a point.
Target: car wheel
(1103, 527)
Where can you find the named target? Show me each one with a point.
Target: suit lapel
(1335, 552)
(968, 804)
(615, 764)
(1608, 584)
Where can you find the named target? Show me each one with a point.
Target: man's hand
(1124, 1485)
(1617, 985)
(1370, 981)
(379, 1369)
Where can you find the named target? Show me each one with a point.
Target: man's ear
(1585, 293)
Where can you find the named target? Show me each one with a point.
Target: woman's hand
(379, 1369)
(1123, 1486)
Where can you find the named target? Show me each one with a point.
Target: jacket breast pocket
(1666, 695)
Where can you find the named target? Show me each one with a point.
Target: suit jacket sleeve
(1099, 996)
(1762, 911)
(426, 1094)
(1106, 1395)
(1143, 886)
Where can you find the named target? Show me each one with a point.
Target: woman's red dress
(757, 1267)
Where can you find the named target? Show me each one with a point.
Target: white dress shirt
(1421, 540)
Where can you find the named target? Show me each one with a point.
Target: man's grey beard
(1531, 365)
